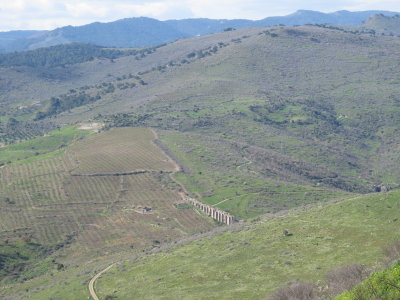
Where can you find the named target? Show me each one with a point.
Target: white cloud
(393, 5)
(48, 14)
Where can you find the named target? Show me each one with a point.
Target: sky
(50, 14)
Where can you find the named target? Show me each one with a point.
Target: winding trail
(93, 281)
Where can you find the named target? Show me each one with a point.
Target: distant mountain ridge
(142, 31)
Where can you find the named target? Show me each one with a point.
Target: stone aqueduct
(215, 213)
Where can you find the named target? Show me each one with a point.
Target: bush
(297, 291)
(345, 277)
(393, 252)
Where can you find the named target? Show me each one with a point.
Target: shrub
(345, 277)
(297, 291)
(393, 252)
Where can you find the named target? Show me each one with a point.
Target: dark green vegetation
(62, 55)
(383, 285)
(12, 130)
(17, 260)
(264, 123)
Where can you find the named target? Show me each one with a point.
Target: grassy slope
(383, 285)
(321, 96)
(252, 263)
(223, 177)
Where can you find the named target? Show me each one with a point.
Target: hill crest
(143, 31)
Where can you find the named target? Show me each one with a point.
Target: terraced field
(130, 150)
(44, 201)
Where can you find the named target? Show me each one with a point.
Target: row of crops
(44, 201)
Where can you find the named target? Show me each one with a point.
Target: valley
(291, 132)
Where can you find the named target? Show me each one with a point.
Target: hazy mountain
(9, 37)
(342, 17)
(140, 32)
(134, 32)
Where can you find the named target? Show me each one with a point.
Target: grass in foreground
(254, 262)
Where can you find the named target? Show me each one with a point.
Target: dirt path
(93, 281)
(177, 168)
(228, 199)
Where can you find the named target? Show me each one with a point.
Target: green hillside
(252, 260)
(221, 175)
(323, 98)
(261, 258)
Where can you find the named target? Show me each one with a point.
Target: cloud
(393, 5)
(48, 14)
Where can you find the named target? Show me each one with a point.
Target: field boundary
(116, 174)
